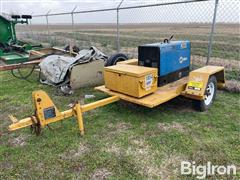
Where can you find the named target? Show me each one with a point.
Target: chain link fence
(127, 24)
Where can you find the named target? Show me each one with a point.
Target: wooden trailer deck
(162, 95)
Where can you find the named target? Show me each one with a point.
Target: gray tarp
(54, 68)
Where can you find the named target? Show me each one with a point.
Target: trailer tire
(74, 48)
(210, 92)
(115, 58)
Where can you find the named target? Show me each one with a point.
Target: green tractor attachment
(12, 50)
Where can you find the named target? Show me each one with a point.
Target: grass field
(123, 140)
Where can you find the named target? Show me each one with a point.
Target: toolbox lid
(136, 71)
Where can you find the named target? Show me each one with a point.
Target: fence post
(212, 32)
(30, 24)
(118, 43)
(48, 27)
(72, 13)
(118, 39)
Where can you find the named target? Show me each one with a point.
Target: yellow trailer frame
(42, 102)
(46, 112)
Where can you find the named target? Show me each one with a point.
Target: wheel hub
(209, 93)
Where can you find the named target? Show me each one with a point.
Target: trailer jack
(46, 112)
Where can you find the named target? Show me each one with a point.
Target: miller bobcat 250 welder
(171, 58)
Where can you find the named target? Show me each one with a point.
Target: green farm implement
(12, 50)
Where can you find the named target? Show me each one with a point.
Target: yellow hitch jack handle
(46, 112)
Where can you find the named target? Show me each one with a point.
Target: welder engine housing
(172, 59)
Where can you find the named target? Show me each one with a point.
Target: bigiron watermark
(202, 171)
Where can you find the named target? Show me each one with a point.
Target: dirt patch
(6, 165)
(101, 174)
(143, 126)
(139, 142)
(173, 126)
(114, 149)
(78, 168)
(75, 153)
(123, 126)
(170, 166)
(18, 141)
(119, 127)
(143, 157)
(233, 86)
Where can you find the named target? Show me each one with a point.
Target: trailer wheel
(74, 48)
(210, 94)
(116, 58)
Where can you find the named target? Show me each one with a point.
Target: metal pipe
(212, 32)
(79, 12)
(72, 22)
(122, 8)
(118, 38)
(163, 4)
(48, 29)
(30, 25)
(79, 118)
(72, 13)
(48, 26)
(73, 17)
(21, 124)
(99, 103)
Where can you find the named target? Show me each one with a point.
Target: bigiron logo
(202, 171)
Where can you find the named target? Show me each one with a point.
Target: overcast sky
(196, 12)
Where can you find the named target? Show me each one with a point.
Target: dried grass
(101, 174)
(18, 141)
(233, 86)
(75, 153)
(174, 126)
(170, 166)
(118, 128)
(113, 148)
(228, 64)
(145, 158)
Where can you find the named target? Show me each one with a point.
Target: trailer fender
(198, 80)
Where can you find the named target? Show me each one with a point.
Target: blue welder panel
(174, 56)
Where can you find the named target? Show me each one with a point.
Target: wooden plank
(20, 65)
(34, 52)
(65, 52)
(163, 94)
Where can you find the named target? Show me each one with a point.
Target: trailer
(148, 81)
